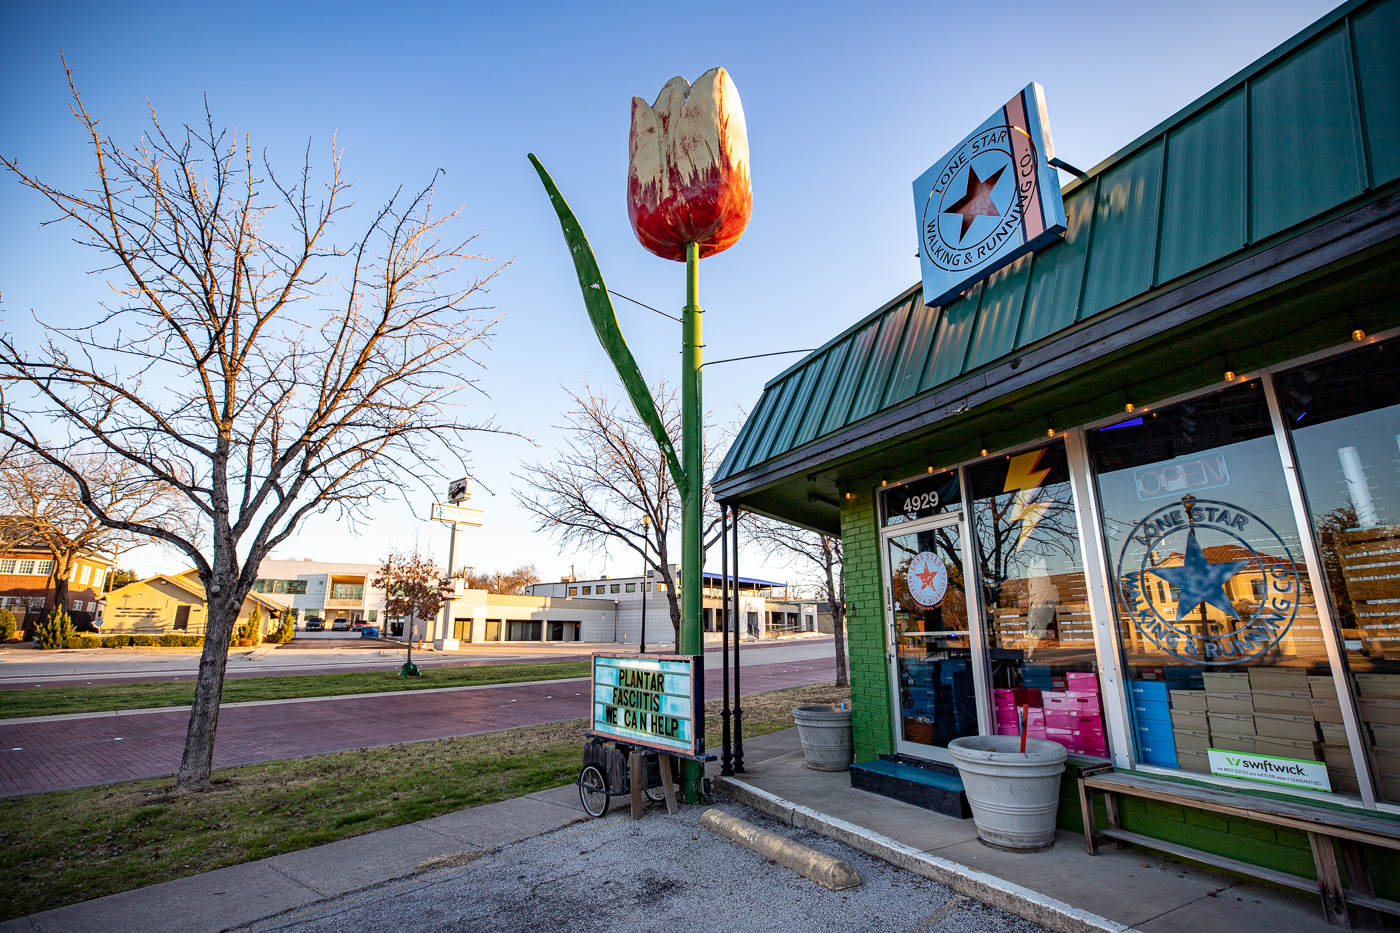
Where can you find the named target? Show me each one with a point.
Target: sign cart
(647, 711)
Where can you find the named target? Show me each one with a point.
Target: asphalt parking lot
(662, 873)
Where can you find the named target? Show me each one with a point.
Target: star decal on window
(1200, 581)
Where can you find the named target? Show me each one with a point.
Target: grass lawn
(50, 701)
(69, 846)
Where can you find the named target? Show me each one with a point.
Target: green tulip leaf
(604, 318)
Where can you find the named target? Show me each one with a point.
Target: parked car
(314, 624)
(358, 624)
(340, 625)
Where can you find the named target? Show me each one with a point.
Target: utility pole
(646, 540)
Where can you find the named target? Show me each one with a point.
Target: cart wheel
(656, 794)
(593, 791)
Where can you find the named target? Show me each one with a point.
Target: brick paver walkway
(44, 756)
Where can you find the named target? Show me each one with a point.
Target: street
(56, 753)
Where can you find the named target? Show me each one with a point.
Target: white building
(763, 606)
(321, 590)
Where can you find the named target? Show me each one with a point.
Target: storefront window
(937, 699)
(1344, 416)
(1039, 633)
(1228, 670)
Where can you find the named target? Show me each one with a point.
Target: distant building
(763, 607)
(168, 603)
(27, 584)
(322, 590)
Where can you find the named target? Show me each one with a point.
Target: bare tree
(246, 363)
(819, 556)
(611, 477)
(40, 504)
(412, 586)
(505, 582)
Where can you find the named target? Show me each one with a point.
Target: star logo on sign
(977, 202)
(927, 576)
(1200, 581)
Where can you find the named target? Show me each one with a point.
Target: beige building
(171, 603)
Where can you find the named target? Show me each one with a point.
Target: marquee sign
(1212, 555)
(989, 201)
(653, 701)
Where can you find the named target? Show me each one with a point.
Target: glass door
(934, 696)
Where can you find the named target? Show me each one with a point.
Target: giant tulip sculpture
(689, 196)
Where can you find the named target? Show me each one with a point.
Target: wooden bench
(1350, 830)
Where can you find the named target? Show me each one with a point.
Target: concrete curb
(989, 889)
(826, 870)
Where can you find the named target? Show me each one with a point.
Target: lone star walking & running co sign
(989, 201)
(652, 701)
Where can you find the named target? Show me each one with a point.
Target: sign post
(457, 491)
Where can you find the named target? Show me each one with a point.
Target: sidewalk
(243, 894)
(1062, 888)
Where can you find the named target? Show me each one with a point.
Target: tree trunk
(838, 622)
(198, 762)
(61, 572)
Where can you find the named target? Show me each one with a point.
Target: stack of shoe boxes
(1265, 711)
(1152, 722)
(1336, 748)
(1071, 713)
(1378, 697)
(1284, 725)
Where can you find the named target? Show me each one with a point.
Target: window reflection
(1039, 632)
(1344, 417)
(1217, 623)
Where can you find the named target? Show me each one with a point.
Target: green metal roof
(1309, 127)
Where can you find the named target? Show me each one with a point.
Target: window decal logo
(1209, 582)
(927, 578)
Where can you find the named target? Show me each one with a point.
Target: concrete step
(921, 784)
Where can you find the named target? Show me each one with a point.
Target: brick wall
(865, 628)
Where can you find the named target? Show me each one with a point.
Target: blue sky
(846, 104)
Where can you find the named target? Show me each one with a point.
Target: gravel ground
(658, 874)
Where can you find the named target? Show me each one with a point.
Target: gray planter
(826, 737)
(1014, 795)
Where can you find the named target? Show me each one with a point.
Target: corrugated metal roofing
(1307, 128)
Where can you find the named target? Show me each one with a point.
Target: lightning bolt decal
(1024, 479)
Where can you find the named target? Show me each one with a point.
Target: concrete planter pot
(826, 737)
(1014, 796)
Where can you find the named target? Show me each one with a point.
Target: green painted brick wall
(871, 724)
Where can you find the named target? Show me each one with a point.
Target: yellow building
(171, 603)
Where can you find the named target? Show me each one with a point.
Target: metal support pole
(726, 766)
(646, 538)
(738, 637)
(691, 639)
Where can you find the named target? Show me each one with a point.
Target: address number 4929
(927, 500)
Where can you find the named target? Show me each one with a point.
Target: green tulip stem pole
(693, 504)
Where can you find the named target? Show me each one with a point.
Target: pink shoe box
(1005, 698)
(1073, 719)
(1089, 744)
(1074, 700)
(1086, 683)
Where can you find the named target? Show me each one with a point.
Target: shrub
(54, 630)
(83, 641)
(116, 641)
(287, 630)
(143, 641)
(171, 640)
(7, 625)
